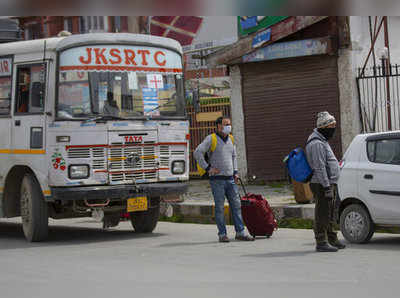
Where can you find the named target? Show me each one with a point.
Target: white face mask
(227, 129)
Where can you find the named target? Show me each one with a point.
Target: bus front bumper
(114, 192)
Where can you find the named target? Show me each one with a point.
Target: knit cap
(324, 119)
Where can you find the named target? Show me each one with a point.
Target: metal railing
(379, 98)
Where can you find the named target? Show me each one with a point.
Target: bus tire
(145, 221)
(34, 212)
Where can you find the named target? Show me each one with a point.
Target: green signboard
(250, 24)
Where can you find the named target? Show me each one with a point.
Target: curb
(204, 212)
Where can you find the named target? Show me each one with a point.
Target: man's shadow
(281, 254)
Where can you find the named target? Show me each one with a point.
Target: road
(184, 260)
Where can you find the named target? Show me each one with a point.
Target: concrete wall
(361, 42)
(238, 119)
(349, 108)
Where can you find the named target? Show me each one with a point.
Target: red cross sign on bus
(155, 81)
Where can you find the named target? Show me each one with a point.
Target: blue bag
(297, 165)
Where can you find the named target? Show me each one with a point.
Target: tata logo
(133, 159)
(133, 139)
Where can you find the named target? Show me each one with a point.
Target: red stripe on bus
(101, 171)
(124, 145)
(133, 172)
(172, 144)
(85, 146)
(131, 145)
(120, 68)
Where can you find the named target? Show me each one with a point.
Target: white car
(369, 185)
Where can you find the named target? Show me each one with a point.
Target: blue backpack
(297, 165)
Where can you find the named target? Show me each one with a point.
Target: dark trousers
(325, 215)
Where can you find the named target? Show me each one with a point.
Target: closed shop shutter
(281, 99)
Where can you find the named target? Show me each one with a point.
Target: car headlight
(178, 167)
(78, 171)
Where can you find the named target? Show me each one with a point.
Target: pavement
(198, 203)
(185, 260)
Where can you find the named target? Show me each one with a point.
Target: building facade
(9, 30)
(284, 74)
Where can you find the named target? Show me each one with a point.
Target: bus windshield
(120, 81)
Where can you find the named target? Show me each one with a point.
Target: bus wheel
(145, 221)
(34, 213)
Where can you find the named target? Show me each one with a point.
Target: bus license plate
(137, 204)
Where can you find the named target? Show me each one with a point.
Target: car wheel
(34, 212)
(145, 221)
(356, 224)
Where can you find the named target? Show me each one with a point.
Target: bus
(91, 125)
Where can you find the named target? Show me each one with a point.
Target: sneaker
(337, 243)
(224, 239)
(244, 238)
(325, 247)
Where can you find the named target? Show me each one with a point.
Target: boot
(337, 243)
(223, 239)
(325, 247)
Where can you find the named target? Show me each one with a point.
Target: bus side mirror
(196, 100)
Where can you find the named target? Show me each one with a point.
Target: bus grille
(96, 154)
(122, 171)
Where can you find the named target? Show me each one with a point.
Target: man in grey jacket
(222, 170)
(323, 183)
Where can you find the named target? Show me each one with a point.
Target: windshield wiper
(103, 118)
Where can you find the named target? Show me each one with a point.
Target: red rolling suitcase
(257, 215)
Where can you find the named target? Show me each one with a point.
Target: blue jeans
(228, 189)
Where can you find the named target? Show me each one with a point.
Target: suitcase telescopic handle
(242, 184)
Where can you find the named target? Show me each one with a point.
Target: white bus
(91, 124)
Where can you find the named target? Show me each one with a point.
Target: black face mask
(328, 133)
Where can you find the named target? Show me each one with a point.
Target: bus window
(30, 88)
(5, 95)
(5, 85)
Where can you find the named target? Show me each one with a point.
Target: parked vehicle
(91, 124)
(369, 185)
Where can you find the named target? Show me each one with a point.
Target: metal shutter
(281, 99)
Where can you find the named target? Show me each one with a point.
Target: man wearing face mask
(223, 173)
(323, 183)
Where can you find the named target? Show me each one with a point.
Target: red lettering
(144, 53)
(129, 57)
(116, 54)
(156, 58)
(100, 55)
(133, 139)
(89, 57)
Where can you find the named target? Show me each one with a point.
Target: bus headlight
(78, 171)
(178, 167)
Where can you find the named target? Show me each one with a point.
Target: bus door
(28, 123)
(5, 120)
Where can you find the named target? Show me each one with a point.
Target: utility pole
(387, 72)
